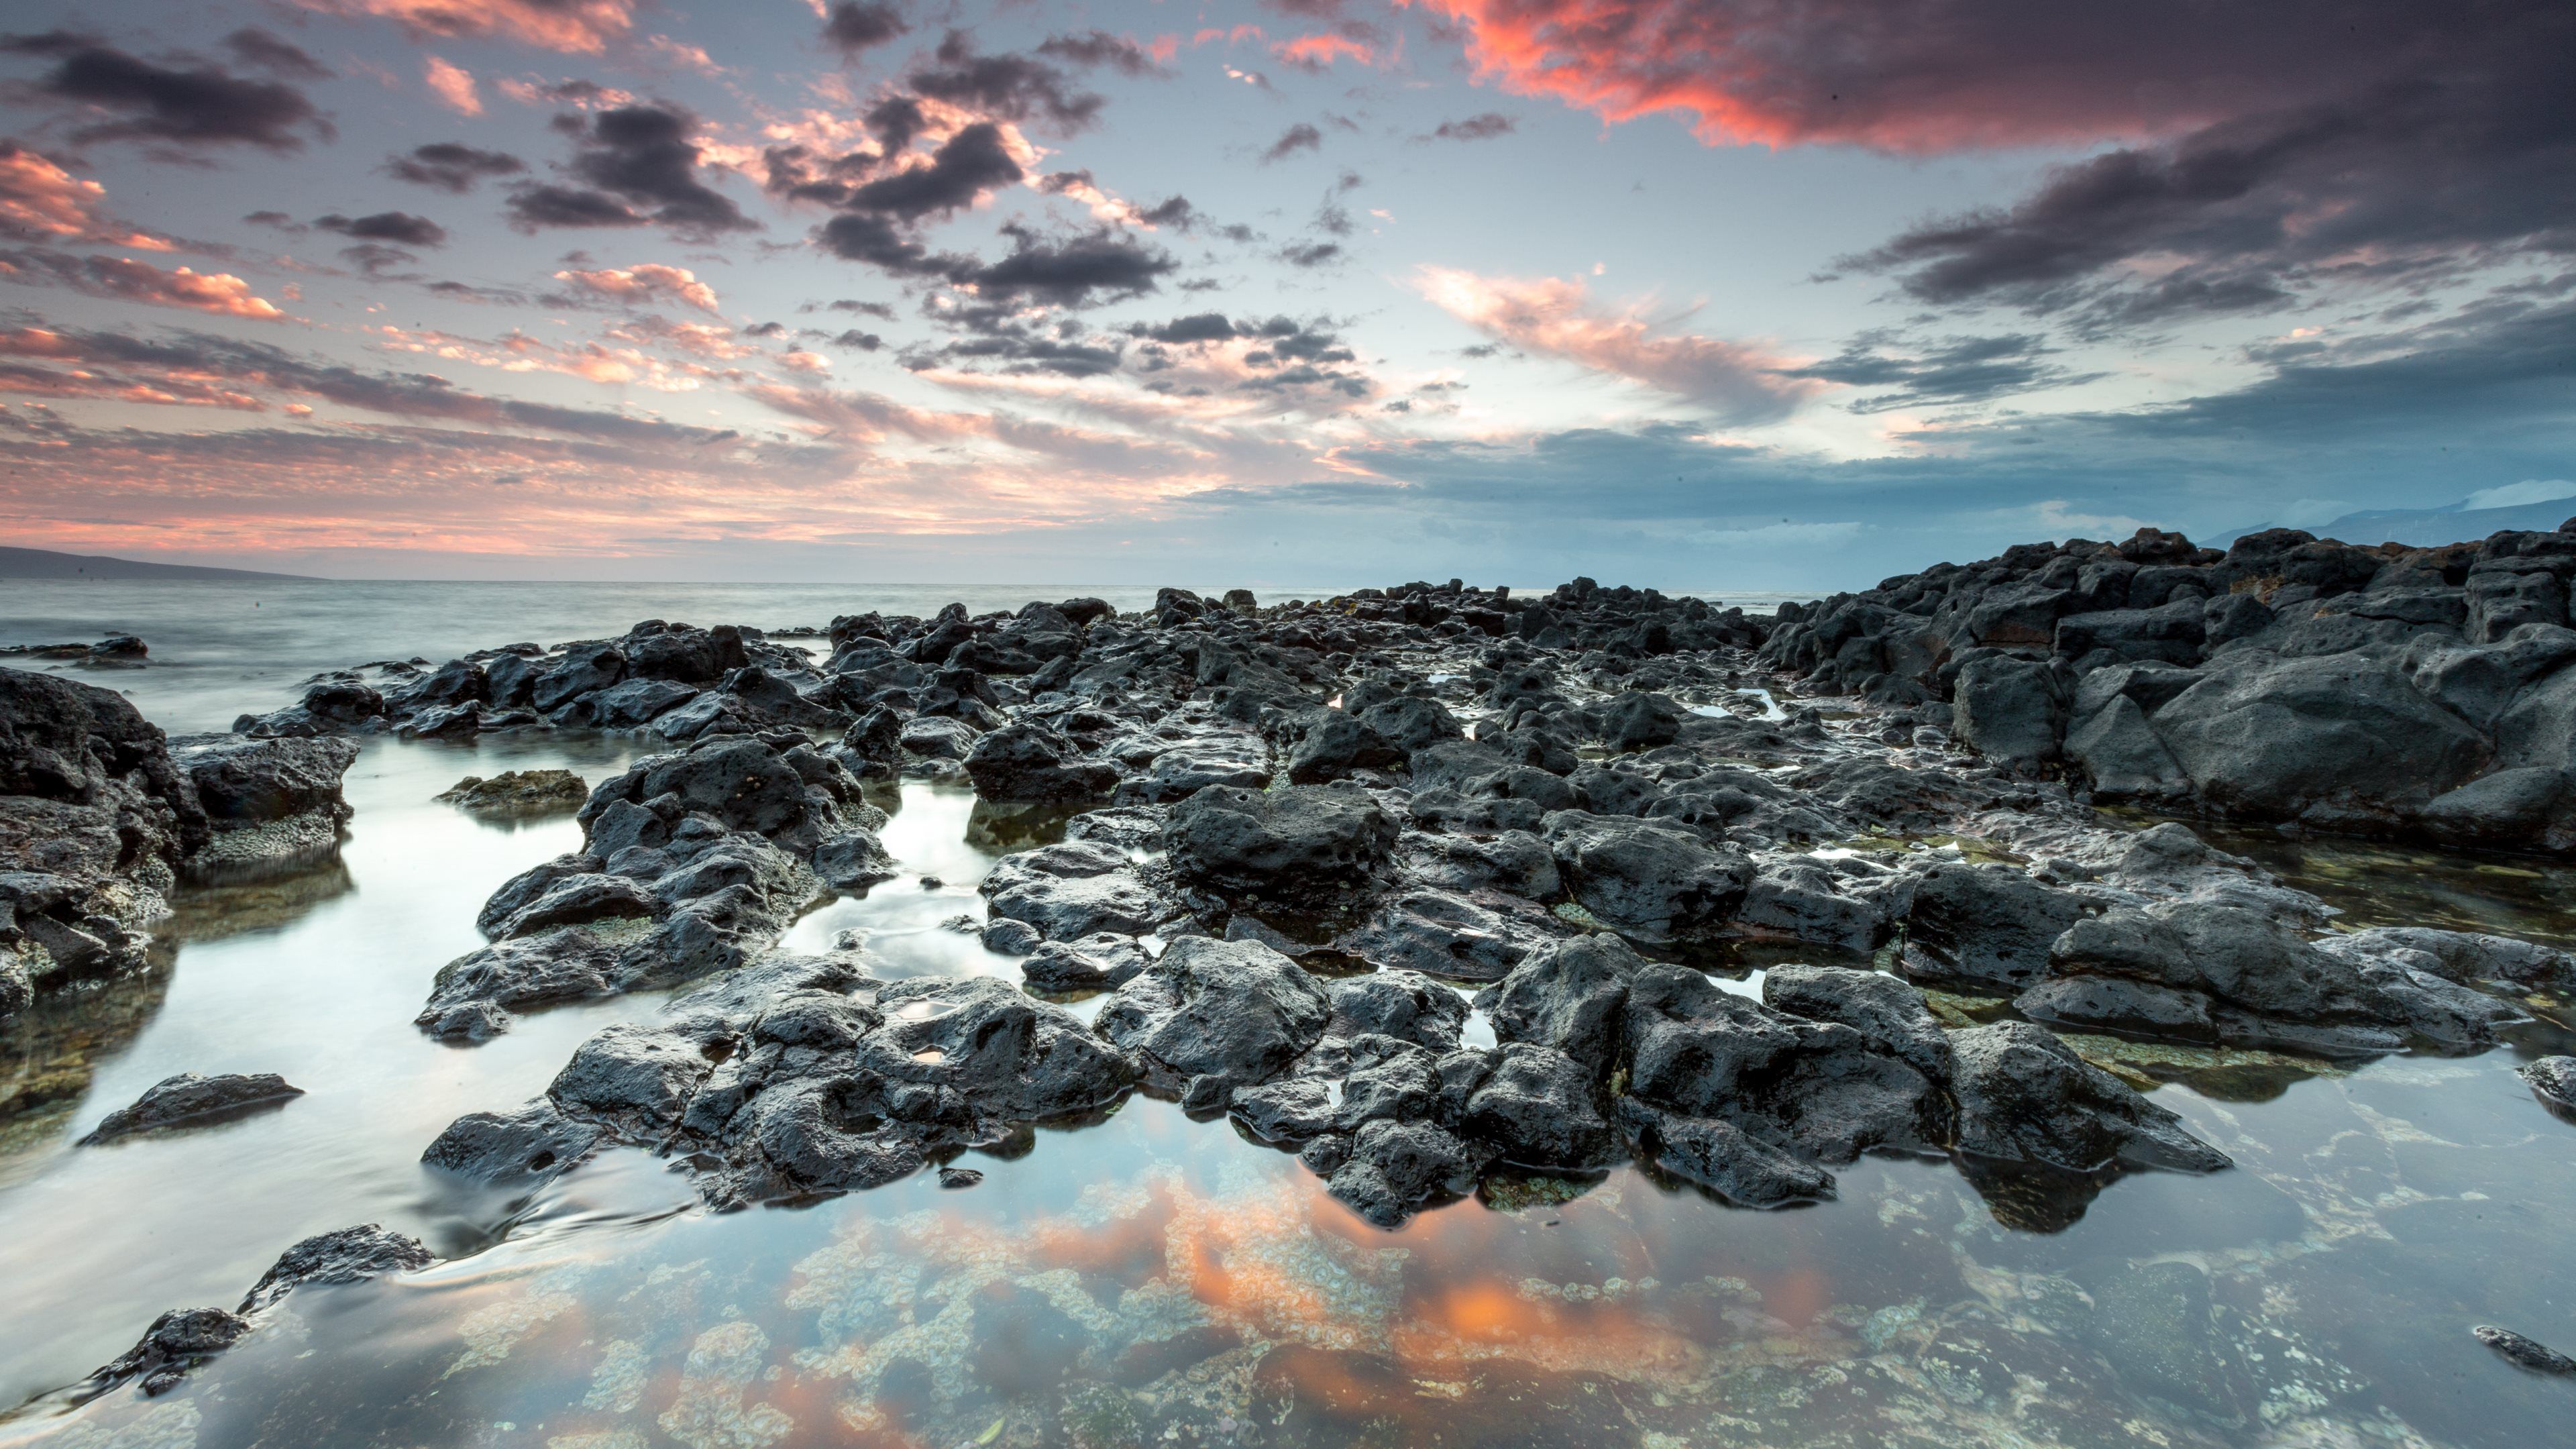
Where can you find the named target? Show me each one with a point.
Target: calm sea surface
(1156, 1280)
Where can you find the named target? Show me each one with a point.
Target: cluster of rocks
(1288, 842)
(186, 1338)
(1434, 883)
(116, 651)
(692, 863)
(2420, 692)
(100, 813)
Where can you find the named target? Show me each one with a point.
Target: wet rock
(1514, 862)
(2522, 1352)
(1070, 891)
(853, 859)
(518, 793)
(938, 737)
(2341, 740)
(192, 1099)
(1889, 1014)
(1640, 722)
(2552, 1079)
(1099, 962)
(2260, 982)
(177, 1343)
(1028, 763)
(1410, 723)
(1236, 1011)
(577, 900)
(1984, 926)
(243, 783)
(1647, 880)
(1571, 997)
(1289, 844)
(1448, 935)
(2023, 1095)
(512, 1148)
(1395, 1168)
(2011, 711)
(1724, 1158)
(1539, 1108)
(348, 1255)
(1399, 1004)
(630, 705)
(1819, 1090)
(631, 1077)
(473, 995)
(1328, 744)
(1804, 901)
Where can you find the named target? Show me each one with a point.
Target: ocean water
(1155, 1280)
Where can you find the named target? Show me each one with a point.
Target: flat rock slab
(191, 1099)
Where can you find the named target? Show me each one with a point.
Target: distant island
(43, 563)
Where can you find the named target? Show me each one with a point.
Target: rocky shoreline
(1432, 883)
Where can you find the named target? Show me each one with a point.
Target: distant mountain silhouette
(2424, 527)
(43, 563)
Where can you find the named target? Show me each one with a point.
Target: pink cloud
(580, 27)
(1924, 79)
(40, 201)
(645, 282)
(1553, 317)
(1318, 52)
(454, 87)
(221, 293)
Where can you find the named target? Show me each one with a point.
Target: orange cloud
(454, 87)
(581, 27)
(1318, 52)
(221, 293)
(643, 283)
(40, 201)
(1555, 318)
(1980, 73)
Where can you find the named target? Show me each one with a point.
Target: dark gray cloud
(1198, 327)
(1311, 254)
(398, 227)
(1483, 127)
(1013, 87)
(451, 166)
(263, 50)
(639, 165)
(855, 27)
(961, 171)
(1299, 137)
(2448, 158)
(1953, 371)
(187, 104)
(1100, 48)
(1080, 271)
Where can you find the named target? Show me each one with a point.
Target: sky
(1698, 294)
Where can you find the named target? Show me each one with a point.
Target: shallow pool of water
(1159, 1280)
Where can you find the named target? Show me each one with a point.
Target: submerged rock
(192, 1099)
(2522, 1352)
(519, 792)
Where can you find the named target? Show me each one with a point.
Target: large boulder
(2342, 741)
(1984, 926)
(1237, 1012)
(1648, 880)
(2025, 1096)
(1027, 763)
(1298, 842)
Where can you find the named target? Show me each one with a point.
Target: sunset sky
(1778, 294)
